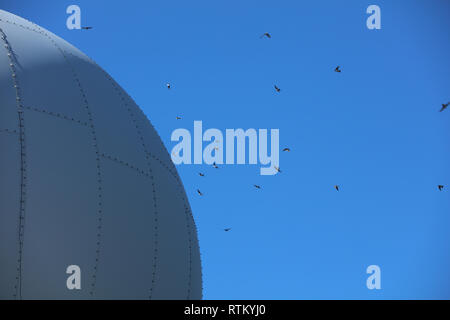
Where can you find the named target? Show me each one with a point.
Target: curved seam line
(190, 249)
(125, 164)
(188, 213)
(23, 166)
(21, 25)
(9, 131)
(134, 167)
(57, 115)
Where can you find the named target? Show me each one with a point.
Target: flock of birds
(278, 90)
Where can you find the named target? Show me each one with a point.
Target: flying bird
(168, 85)
(440, 187)
(199, 192)
(276, 88)
(215, 165)
(337, 69)
(336, 187)
(277, 168)
(201, 174)
(444, 106)
(227, 229)
(178, 118)
(266, 34)
(287, 149)
(86, 28)
(257, 187)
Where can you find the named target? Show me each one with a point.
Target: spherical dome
(85, 181)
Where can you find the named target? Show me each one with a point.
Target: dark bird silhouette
(276, 88)
(337, 69)
(86, 28)
(277, 168)
(266, 34)
(215, 165)
(201, 174)
(168, 85)
(257, 187)
(227, 229)
(444, 106)
(440, 187)
(287, 149)
(199, 192)
(336, 187)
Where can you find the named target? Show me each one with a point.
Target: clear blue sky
(373, 129)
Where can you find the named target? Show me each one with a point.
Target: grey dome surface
(84, 180)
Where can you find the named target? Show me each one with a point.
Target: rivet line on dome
(23, 166)
(124, 163)
(57, 114)
(188, 215)
(9, 131)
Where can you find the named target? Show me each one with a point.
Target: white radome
(84, 180)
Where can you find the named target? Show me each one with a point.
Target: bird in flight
(257, 187)
(201, 174)
(227, 229)
(444, 106)
(199, 192)
(337, 69)
(178, 118)
(277, 168)
(168, 85)
(276, 88)
(86, 28)
(440, 187)
(287, 149)
(215, 165)
(336, 187)
(266, 34)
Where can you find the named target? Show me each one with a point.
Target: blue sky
(374, 129)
